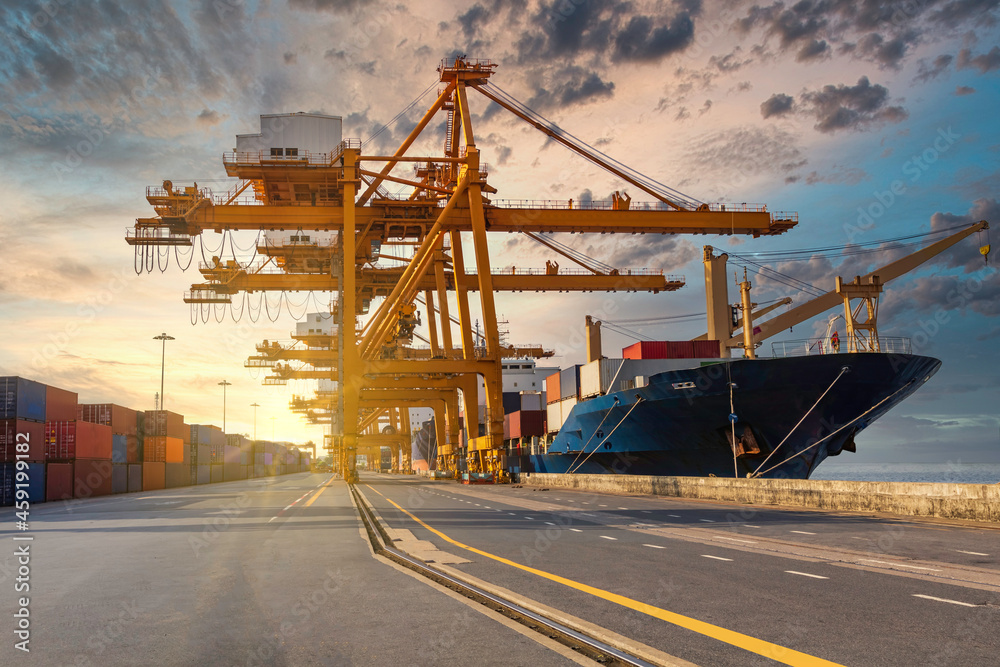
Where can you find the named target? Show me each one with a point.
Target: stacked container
(124, 438)
(22, 417)
(88, 447)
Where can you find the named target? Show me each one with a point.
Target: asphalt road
(848, 589)
(258, 572)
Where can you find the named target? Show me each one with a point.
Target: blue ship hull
(679, 424)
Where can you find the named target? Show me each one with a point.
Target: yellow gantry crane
(342, 192)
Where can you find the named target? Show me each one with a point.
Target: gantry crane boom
(891, 271)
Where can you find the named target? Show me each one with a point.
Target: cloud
(885, 53)
(964, 90)
(926, 73)
(642, 40)
(855, 107)
(960, 256)
(814, 50)
(984, 62)
(334, 6)
(778, 105)
(209, 117)
(570, 85)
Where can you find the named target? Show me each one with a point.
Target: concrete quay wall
(975, 502)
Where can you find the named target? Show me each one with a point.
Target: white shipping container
(606, 376)
(557, 413)
(531, 401)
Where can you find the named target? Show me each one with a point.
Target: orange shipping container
(162, 449)
(153, 476)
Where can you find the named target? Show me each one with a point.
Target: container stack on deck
(87, 450)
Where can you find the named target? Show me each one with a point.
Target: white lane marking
(272, 519)
(549, 523)
(676, 516)
(287, 507)
(487, 507)
(511, 513)
(716, 557)
(605, 537)
(747, 525)
(801, 532)
(645, 511)
(931, 597)
(971, 553)
(706, 520)
(654, 546)
(585, 514)
(623, 508)
(806, 574)
(914, 567)
(576, 530)
(585, 502)
(603, 505)
(530, 518)
(733, 539)
(477, 504)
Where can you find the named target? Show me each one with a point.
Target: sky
(872, 121)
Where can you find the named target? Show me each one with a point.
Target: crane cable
(596, 430)
(639, 400)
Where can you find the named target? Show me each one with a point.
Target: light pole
(254, 406)
(163, 360)
(224, 384)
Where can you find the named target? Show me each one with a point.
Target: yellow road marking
(317, 494)
(760, 647)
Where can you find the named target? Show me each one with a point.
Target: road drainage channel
(594, 649)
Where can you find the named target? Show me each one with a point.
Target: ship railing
(808, 347)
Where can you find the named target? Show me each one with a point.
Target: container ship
(685, 408)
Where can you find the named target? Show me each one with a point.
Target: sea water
(956, 473)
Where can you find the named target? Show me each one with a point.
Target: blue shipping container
(22, 399)
(8, 480)
(119, 450)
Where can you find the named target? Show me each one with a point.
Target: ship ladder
(634, 406)
(596, 431)
(850, 423)
(843, 370)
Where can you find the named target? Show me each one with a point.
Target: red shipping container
(167, 423)
(31, 432)
(58, 481)
(527, 423)
(68, 440)
(153, 476)
(60, 405)
(506, 426)
(122, 420)
(552, 393)
(706, 349)
(91, 478)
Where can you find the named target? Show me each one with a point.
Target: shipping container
(176, 475)
(158, 449)
(133, 449)
(217, 473)
(36, 483)
(646, 349)
(236, 440)
(22, 399)
(232, 472)
(31, 434)
(204, 473)
(605, 376)
(134, 477)
(259, 470)
(31, 479)
(707, 349)
(231, 455)
(552, 390)
(7, 484)
(511, 402)
(60, 405)
(569, 383)
(526, 424)
(92, 477)
(122, 420)
(205, 434)
(557, 413)
(69, 440)
(119, 478)
(153, 475)
(58, 481)
(268, 458)
(166, 423)
(119, 448)
(531, 401)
